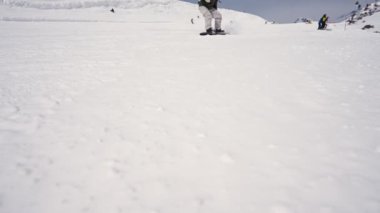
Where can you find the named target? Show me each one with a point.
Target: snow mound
(72, 4)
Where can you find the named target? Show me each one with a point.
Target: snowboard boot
(219, 31)
(209, 31)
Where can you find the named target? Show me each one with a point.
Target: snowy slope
(134, 112)
(98, 11)
(369, 15)
(76, 4)
(373, 20)
(95, 10)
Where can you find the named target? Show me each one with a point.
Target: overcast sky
(289, 10)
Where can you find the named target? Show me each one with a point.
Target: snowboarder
(209, 10)
(322, 24)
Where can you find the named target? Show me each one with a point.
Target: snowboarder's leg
(320, 25)
(207, 15)
(218, 19)
(324, 25)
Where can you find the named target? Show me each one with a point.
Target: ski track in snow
(131, 117)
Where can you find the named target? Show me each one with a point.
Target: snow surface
(134, 112)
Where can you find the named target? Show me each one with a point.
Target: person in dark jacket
(209, 10)
(322, 24)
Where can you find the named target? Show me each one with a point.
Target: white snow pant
(209, 15)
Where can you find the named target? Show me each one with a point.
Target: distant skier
(209, 10)
(322, 24)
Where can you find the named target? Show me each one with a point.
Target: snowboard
(213, 33)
